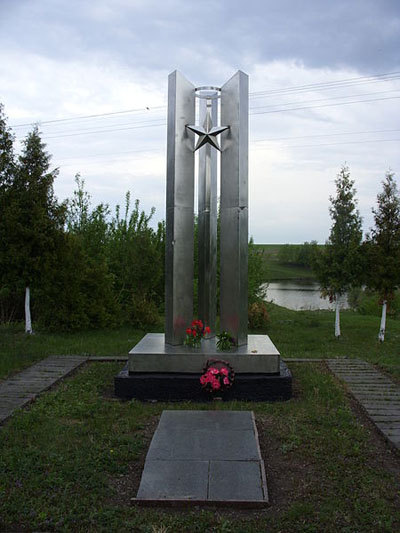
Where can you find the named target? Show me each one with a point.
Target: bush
(144, 312)
(367, 302)
(258, 315)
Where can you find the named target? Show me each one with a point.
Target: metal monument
(208, 125)
(230, 138)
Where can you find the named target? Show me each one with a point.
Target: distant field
(278, 271)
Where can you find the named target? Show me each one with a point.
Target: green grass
(295, 333)
(18, 350)
(278, 271)
(311, 334)
(60, 458)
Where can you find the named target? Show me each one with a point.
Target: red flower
(194, 333)
(188, 331)
(215, 384)
(207, 330)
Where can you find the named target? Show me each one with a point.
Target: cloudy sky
(324, 91)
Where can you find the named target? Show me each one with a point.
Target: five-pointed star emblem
(208, 133)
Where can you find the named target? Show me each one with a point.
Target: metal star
(208, 133)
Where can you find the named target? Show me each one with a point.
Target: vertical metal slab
(207, 223)
(179, 212)
(234, 207)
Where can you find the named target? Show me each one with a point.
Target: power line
(103, 131)
(298, 88)
(160, 150)
(324, 135)
(125, 152)
(98, 115)
(327, 99)
(268, 140)
(135, 158)
(324, 105)
(146, 123)
(332, 144)
(149, 125)
(331, 84)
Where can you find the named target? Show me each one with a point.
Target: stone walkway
(207, 457)
(23, 388)
(377, 394)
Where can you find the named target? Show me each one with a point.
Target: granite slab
(151, 354)
(204, 457)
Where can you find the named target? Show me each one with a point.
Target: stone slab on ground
(377, 394)
(151, 354)
(204, 457)
(23, 387)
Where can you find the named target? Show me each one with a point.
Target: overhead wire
(365, 132)
(327, 99)
(323, 105)
(150, 125)
(257, 94)
(311, 88)
(155, 122)
(271, 140)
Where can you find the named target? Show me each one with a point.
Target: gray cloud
(68, 58)
(363, 34)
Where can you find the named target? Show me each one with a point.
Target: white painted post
(382, 329)
(337, 317)
(28, 322)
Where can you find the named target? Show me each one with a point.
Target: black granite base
(176, 386)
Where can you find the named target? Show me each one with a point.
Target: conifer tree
(338, 264)
(8, 306)
(38, 218)
(383, 247)
(7, 159)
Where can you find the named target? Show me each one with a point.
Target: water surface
(299, 295)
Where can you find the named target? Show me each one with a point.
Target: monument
(160, 366)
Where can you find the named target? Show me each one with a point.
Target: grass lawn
(278, 271)
(295, 333)
(311, 334)
(18, 350)
(72, 461)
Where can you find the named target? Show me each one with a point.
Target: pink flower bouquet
(218, 376)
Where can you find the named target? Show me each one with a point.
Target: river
(299, 295)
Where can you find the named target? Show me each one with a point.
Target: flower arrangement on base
(218, 376)
(225, 341)
(195, 333)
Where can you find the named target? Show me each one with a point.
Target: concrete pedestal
(158, 371)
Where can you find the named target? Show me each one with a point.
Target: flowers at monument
(195, 333)
(225, 341)
(218, 376)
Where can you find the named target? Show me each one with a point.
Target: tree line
(73, 264)
(347, 260)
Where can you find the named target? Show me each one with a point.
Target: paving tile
(213, 420)
(174, 480)
(212, 456)
(383, 418)
(376, 393)
(385, 425)
(391, 412)
(201, 444)
(235, 480)
(22, 388)
(392, 432)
